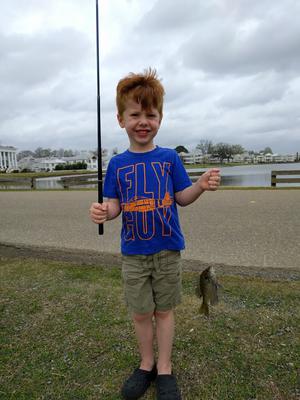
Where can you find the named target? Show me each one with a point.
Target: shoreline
(106, 259)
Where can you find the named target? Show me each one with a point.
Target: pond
(254, 175)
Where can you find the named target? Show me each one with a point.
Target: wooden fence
(275, 180)
(92, 179)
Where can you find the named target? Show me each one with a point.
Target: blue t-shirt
(145, 184)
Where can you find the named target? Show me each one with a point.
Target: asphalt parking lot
(255, 228)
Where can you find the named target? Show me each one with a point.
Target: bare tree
(206, 146)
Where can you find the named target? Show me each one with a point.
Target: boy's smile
(141, 125)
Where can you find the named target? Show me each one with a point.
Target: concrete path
(255, 228)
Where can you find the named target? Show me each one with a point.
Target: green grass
(66, 334)
(44, 174)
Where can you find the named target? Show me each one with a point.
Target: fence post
(33, 183)
(273, 179)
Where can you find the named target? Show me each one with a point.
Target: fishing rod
(100, 190)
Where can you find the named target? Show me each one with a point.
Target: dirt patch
(84, 257)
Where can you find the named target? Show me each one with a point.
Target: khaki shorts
(152, 282)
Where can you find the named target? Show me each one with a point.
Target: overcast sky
(230, 69)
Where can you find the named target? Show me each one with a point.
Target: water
(254, 175)
(257, 175)
(55, 183)
(49, 183)
(245, 175)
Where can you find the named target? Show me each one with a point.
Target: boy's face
(141, 125)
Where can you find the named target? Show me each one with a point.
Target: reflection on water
(246, 180)
(255, 175)
(49, 183)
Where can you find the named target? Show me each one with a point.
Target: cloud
(230, 69)
(28, 60)
(245, 47)
(260, 89)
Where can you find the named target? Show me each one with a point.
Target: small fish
(207, 288)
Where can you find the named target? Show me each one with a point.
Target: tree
(267, 150)
(237, 149)
(58, 153)
(227, 151)
(78, 165)
(24, 153)
(181, 149)
(221, 150)
(40, 152)
(206, 146)
(68, 153)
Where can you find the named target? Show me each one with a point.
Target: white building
(278, 158)
(40, 164)
(243, 158)
(275, 158)
(88, 158)
(194, 157)
(8, 158)
(83, 157)
(49, 163)
(92, 163)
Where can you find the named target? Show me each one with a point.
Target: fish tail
(204, 309)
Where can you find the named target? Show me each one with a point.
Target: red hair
(146, 89)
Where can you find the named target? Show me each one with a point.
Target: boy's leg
(144, 332)
(138, 382)
(136, 271)
(164, 334)
(167, 294)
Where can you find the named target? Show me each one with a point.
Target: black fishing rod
(100, 190)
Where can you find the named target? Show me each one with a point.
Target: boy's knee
(142, 317)
(163, 314)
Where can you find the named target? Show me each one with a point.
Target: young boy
(145, 183)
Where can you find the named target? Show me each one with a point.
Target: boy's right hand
(99, 212)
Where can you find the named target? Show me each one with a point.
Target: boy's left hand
(210, 180)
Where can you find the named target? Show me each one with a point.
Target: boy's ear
(120, 120)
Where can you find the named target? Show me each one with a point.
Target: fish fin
(214, 298)
(214, 302)
(204, 309)
(198, 291)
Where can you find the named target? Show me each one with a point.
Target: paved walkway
(255, 228)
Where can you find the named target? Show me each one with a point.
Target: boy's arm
(210, 180)
(105, 211)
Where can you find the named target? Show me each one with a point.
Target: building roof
(3, 148)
